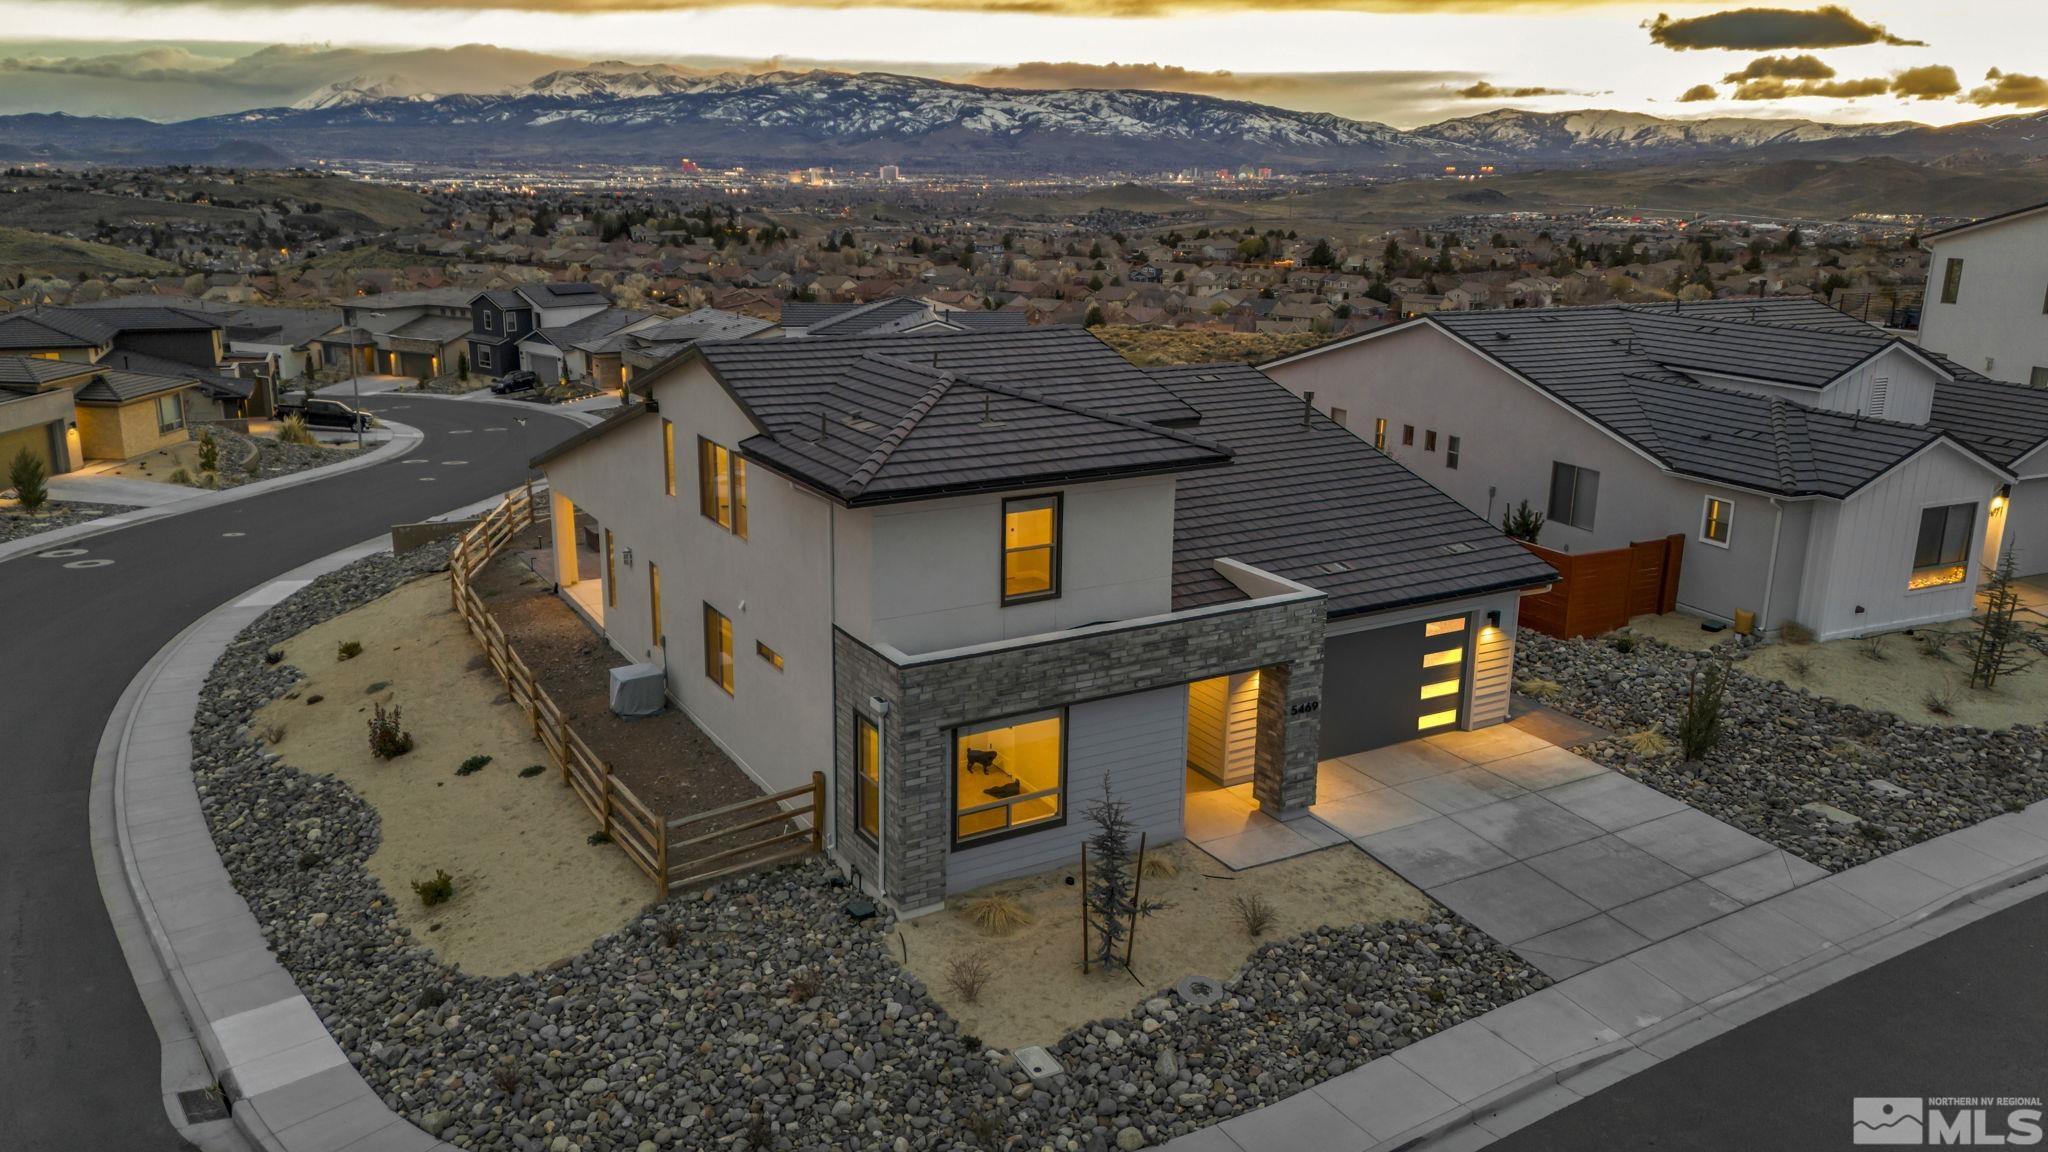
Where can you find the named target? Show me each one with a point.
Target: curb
(252, 1036)
(404, 438)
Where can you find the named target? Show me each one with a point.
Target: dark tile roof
(802, 314)
(293, 327)
(882, 428)
(595, 326)
(212, 383)
(156, 319)
(875, 316)
(1624, 368)
(1067, 364)
(1314, 503)
(503, 298)
(122, 387)
(33, 373)
(984, 320)
(54, 327)
(2002, 420)
(562, 295)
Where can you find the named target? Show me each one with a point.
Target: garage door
(1392, 684)
(36, 440)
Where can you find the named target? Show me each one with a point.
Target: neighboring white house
(1987, 296)
(1821, 471)
(972, 575)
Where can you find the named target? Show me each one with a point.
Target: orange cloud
(1485, 91)
(1763, 29)
(1697, 93)
(1802, 67)
(2010, 88)
(1931, 82)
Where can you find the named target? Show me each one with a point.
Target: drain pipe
(1771, 572)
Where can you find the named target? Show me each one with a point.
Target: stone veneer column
(1284, 772)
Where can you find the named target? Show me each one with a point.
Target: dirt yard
(1906, 677)
(1679, 630)
(1036, 992)
(529, 887)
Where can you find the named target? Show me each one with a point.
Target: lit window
(1717, 521)
(1574, 492)
(668, 456)
(1440, 688)
(1951, 280)
(867, 785)
(611, 572)
(1339, 415)
(722, 486)
(773, 657)
(1451, 448)
(654, 603)
(1031, 550)
(1379, 434)
(1436, 719)
(1449, 657)
(1941, 555)
(718, 648)
(1008, 776)
(1444, 627)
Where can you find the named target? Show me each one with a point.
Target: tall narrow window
(867, 782)
(1574, 492)
(1451, 447)
(1407, 435)
(1951, 279)
(1379, 434)
(1717, 521)
(668, 456)
(1941, 555)
(718, 648)
(1031, 548)
(611, 572)
(722, 486)
(654, 603)
(1443, 673)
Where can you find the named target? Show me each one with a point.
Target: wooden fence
(1599, 591)
(644, 838)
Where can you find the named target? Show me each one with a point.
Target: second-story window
(1951, 280)
(490, 320)
(668, 456)
(722, 486)
(1453, 447)
(1379, 433)
(718, 648)
(1031, 548)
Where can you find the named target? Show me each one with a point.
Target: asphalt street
(78, 1057)
(1964, 1015)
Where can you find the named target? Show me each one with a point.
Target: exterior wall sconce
(1998, 501)
(626, 555)
(1493, 618)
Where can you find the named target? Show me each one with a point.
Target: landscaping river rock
(1833, 784)
(759, 1015)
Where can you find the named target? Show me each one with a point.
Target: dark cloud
(1771, 89)
(1697, 93)
(1930, 82)
(1764, 29)
(1782, 68)
(1485, 91)
(2010, 88)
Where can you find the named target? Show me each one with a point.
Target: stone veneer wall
(928, 700)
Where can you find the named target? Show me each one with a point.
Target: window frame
(163, 427)
(960, 732)
(725, 672)
(1571, 519)
(1429, 440)
(1951, 279)
(735, 472)
(1915, 567)
(1057, 501)
(668, 456)
(861, 781)
(660, 631)
(768, 654)
(1726, 520)
(1379, 433)
(611, 571)
(1453, 449)
(1407, 435)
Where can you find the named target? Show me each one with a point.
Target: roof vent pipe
(824, 425)
(1308, 405)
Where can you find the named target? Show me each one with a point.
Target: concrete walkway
(1698, 930)
(94, 488)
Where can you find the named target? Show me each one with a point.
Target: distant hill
(1147, 347)
(24, 251)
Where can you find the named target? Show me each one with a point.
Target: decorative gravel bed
(16, 524)
(1831, 783)
(246, 459)
(760, 1015)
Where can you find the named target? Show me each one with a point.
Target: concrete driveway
(78, 1057)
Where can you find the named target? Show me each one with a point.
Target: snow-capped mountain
(1595, 133)
(359, 90)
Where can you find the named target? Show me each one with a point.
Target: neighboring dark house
(500, 317)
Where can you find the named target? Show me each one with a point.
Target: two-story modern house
(398, 333)
(1821, 470)
(502, 317)
(1986, 305)
(973, 576)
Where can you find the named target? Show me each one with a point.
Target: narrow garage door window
(1443, 673)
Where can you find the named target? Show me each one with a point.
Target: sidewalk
(403, 439)
(1466, 1087)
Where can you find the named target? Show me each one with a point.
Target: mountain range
(626, 113)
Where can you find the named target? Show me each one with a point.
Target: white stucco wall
(1510, 434)
(1860, 552)
(1997, 325)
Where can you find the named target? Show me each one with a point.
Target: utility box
(638, 690)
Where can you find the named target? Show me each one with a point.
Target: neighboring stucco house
(1821, 470)
(398, 334)
(971, 576)
(132, 380)
(1986, 305)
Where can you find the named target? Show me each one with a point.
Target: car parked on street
(510, 382)
(319, 412)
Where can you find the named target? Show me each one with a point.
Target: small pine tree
(1522, 522)
(27, 476)
(1998, 648)
(1700, 726)
(462, 365)
(1111, 898)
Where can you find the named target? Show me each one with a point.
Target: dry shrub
(1160, 865)
(1254, 914)
(1793, 632)
(1799, 666)
(1539, 689)
(967, 975)
(1648, 742)
(996, 915)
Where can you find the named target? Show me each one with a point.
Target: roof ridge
(893, 439)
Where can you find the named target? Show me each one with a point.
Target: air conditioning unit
(638, 690)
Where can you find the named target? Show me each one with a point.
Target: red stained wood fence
(1599, 591)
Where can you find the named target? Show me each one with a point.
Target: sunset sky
(1404, 62)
